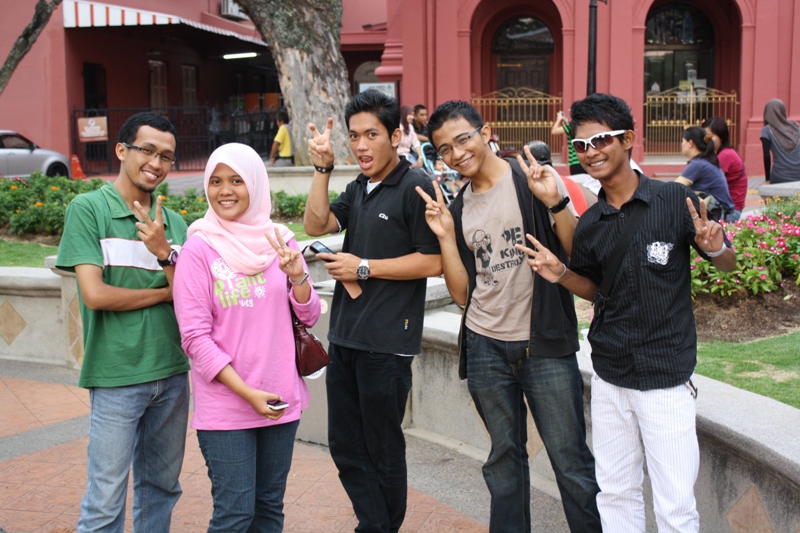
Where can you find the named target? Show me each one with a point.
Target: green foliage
(767, 252)
(286, 206)
(37, 204)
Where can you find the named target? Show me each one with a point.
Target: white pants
(626, 424)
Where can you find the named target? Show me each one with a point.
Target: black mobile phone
(277, 405)
(319, 248)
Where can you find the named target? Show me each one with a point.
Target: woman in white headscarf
(232, 304)
(780, 138)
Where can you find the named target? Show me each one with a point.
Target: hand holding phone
(277, 405)
(319, 248)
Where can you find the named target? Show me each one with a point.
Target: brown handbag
(310, 355)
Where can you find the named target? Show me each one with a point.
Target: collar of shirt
(393, 178)
(118, 207)
(644, 192)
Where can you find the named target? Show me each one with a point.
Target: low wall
(297, 180)
(749, 477)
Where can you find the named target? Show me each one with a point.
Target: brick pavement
(41, 491)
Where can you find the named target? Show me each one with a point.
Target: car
(20, 157)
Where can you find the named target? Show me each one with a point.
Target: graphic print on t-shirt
(507, 257)
(233, 288)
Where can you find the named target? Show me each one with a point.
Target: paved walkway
(43, 427)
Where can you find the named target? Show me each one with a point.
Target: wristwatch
(363, 269)
(559, 206)
(171, 259)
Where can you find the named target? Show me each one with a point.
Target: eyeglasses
(459, 141)
(167, 159)
(601, 140)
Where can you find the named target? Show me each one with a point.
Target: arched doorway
(523, 46)
(679, 49)
(690, 72)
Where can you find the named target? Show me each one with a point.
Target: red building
(721, 57)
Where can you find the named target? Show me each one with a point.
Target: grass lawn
(24, 254)
(770, 367)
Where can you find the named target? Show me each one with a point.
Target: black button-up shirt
(645, 338)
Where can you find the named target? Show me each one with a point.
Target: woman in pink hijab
(232, 304)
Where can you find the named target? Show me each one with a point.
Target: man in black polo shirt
(644, 345)
(389, 251)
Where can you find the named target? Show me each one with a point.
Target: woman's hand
(258, 401)
(291, 261)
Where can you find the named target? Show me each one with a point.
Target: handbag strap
(639, 209)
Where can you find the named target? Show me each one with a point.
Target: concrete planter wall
(749, 477)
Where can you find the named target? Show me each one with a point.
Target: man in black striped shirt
(644, 344)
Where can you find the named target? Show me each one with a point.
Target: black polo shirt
(645, 338)
(386, 223)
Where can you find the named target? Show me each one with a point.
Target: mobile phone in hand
(277, 405)
(319, 248)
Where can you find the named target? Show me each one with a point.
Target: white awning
(86, 14)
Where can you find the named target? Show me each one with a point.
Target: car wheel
(57, 169)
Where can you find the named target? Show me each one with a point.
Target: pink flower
(748, 254)
(718, 282)
(763, 277)
(795, 257)
(760, 230)
(698, 259)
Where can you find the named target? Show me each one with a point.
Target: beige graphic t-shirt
(492, 225)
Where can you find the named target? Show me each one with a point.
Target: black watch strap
(170, 260)
(559, 206)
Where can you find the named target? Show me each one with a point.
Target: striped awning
(86, 14)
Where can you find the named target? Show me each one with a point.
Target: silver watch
(363, 269)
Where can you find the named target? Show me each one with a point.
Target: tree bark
(23, 44)
(303, 37)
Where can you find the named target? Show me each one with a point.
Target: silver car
(20, 157)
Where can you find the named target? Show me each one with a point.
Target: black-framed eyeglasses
(167, 159)
(459, 141)
(601, 140)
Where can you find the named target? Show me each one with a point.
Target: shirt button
(622, 215)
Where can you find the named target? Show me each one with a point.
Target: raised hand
(319, 146)
(708, 233)
(291, 261)
(541, 180)
(151, 232)
(543, 261)
(437, 215)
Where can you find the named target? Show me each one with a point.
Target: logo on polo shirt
(383, 216)
(658, 252)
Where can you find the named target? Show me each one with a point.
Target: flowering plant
(767, 250)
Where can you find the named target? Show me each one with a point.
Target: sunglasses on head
(601, 140)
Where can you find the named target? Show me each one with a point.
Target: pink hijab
(241, 243)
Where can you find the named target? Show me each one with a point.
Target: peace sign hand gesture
(437, 215)
(151, 232)
(708, 233)
(319, 147)
(541, 180)
(291, 262)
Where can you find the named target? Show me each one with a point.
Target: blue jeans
(500, 377)
(248, 470)
(146, 424)
(367, 395)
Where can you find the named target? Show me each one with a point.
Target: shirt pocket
(659, 250)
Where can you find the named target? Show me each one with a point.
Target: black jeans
(367, 395)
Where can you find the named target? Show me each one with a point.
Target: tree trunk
(303, 37)
(25, 41)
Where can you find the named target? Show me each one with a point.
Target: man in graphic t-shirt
(519, 334)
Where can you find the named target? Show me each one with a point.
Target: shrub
(37, 204)
(767, 250)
